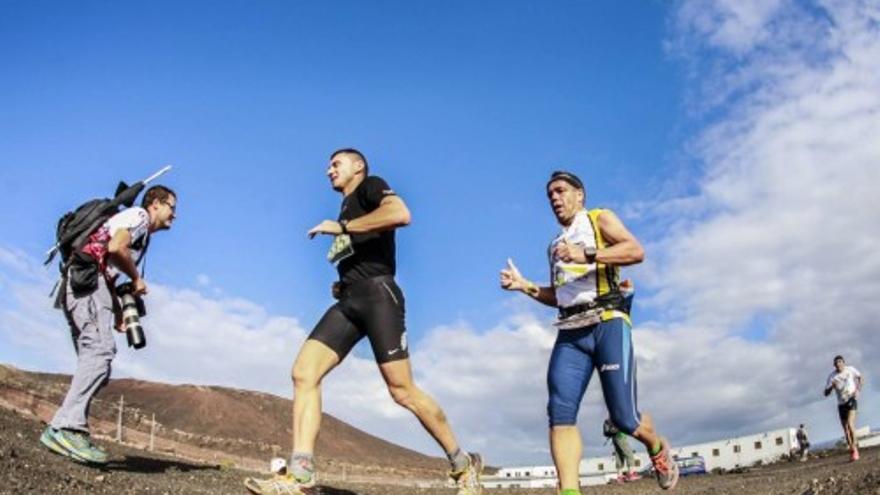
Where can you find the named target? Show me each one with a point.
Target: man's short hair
(160, 193)
(839, 357)
(360, 156)
(569, 177)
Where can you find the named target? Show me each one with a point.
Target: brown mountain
(214, 423)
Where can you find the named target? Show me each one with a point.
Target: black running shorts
(844, 409)
(372, 308)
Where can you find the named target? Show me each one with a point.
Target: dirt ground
(25, 467)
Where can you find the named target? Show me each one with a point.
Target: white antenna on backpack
(157, 174)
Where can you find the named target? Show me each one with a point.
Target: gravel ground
(26, 467)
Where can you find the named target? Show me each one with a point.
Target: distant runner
(594, 328)
(623, 454)
(803, 442)
(370, 305)
(847, 382)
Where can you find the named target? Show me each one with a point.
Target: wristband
(532, 289)
(343, 224)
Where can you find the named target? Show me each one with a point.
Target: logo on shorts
(609, 367)
(402, 345)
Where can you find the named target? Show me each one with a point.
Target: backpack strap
(143, 259)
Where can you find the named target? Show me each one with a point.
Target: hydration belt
(603, 308)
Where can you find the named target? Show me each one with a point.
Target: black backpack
(72, 232)
(75, 226)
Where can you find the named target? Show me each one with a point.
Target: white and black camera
(132, 310)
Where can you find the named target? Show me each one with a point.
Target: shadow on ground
(329, 490)
(137, 464)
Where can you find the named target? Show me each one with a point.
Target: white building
(725, 454)
(867, 438)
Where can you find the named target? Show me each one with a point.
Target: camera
(132, 310)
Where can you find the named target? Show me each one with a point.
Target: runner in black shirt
(373, 252)
(369, 304)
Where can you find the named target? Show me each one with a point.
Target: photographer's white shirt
(136, 220)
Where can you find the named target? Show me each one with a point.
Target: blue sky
(673, 113)
(462, 109)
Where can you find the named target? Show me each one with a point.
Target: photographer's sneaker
(48, 441)
(468, 479)
(73, 444)
(280, 484)
(665, 467)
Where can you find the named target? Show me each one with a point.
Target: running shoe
(665, 467)
(73, 444)
(285, 484)
(632, 476)
(48, 441)
(468, 479)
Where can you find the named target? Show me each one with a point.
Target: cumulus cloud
(735, 25)
(773, 268)
(27, 320)
(490, 383)
(191, 337)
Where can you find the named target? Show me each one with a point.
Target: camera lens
(130, 317)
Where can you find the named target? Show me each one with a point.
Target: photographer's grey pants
(91, 325)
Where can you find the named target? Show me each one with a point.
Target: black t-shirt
(374, 252)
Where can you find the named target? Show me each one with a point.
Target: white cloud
(491, 385)
(203, 280)
(190, 337)
(27, 320)
(783, 234)
(735, 25)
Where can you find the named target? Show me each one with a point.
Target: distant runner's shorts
(607, 348)
(843, 409)
(372, 308)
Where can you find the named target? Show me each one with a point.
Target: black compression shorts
(844, 409)
(374, 308)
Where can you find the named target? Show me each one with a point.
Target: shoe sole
(254, 487)
(478, 463)
(674, 480)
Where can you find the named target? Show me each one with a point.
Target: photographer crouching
(93, 310)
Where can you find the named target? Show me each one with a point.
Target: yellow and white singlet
(581, 283)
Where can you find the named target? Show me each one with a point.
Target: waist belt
(613, 301)
(577, 309)
(347, 287)
(603, 308)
